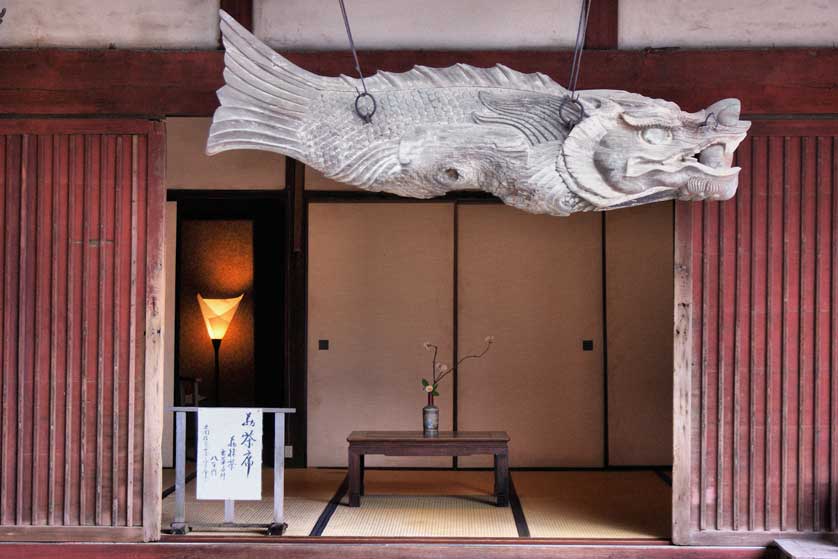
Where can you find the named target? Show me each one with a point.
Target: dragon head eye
(656, 135)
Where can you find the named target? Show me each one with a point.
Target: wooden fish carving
(438, 130)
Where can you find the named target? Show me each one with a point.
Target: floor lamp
(218, 313)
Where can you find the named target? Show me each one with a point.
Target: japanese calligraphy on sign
(229, 454)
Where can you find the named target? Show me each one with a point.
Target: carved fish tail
(265, 97)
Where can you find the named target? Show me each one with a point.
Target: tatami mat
(426, 503)
(596, 505)
(307, 492)
(461, 516)
(445, 503)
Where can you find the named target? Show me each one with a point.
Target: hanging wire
(364, 113)
(573, 99)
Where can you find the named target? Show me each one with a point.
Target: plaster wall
(429, 24)
(189, 167)
(115, 23)
(426, 24)
(722, 23)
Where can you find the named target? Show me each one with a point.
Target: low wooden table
(414, 443)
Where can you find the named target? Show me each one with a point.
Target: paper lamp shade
(218, 313)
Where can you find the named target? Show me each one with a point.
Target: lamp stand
(216, 345)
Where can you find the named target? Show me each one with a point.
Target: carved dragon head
(631, 149)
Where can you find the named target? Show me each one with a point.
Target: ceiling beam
(160, 83)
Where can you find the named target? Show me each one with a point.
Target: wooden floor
(606, 506)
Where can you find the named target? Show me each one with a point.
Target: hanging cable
(365, 112)
(572, 98)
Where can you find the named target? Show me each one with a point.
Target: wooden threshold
(304, 548)
(69, 534)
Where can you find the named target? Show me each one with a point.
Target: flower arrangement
(440, 370)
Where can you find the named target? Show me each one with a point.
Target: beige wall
(535, 283)
(726, 23)
(437, 24)
(121, 23)
(187, 166)
(380, 284)
(639, 309)
(379, 24)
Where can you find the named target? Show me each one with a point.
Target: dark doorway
(227, 246)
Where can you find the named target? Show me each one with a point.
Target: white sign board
(230, 454)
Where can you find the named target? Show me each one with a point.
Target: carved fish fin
(535, 115)
(264, 99)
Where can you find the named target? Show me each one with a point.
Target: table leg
(502, 478)
(354, 478)
(363, 472)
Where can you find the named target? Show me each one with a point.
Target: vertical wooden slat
(10, 330)
(758, 309)
(140, 323)
(41, 330)
(833, 369)
(25, 339)
(104, 362)
(791, 236)
(58, 323)
(721, 364)
(74, 287)
(773, 330)
(90, 332)
(821, 306)
(115, 361)
(742, 309)
(4, 458)
(705, 363)
(132, 331)
(805, 379)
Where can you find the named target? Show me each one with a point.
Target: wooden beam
(183, 83)
(603, 25)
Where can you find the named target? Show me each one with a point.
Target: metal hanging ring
(573, 119)
(366, 116)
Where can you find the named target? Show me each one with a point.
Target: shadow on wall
(216, 260)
